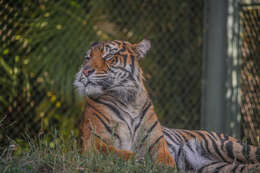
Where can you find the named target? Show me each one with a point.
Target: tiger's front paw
(166, 160)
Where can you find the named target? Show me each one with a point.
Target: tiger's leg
(160, 152)
(90, 142)
(94, 144)
(158, 147)
(104, 148)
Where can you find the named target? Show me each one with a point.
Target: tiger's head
(112, 68)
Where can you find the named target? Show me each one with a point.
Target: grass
(63, 156)
(59, 154)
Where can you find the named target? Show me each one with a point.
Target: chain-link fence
(250, 70)
(43, 43)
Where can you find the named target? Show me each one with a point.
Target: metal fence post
(215, 53)
(220, 84)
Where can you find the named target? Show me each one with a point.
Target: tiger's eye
(108, 57)
(87, 58)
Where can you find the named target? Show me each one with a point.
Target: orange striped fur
(118, 120)
(119, 117)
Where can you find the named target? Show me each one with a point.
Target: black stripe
(119, 101)
(130, 76)
(188, 166)
(157, 140)
(93, 44)
(222, 139)
(98, 112)
(123, 75)
(171, 138)
(171, 147)
(111, 108)
(121, 50)
(205, 166)
(212, 134)
(149, 131)
(125, 59)
(216, 148)
(152, 127)
(116, 111)
(189, 133)
(108, 128)
(180, 152)
(178, 136)
(187, 141)
(234, 168)
(110, 69)
(116, 41)
(99, 137)
(246, 151)
(219, 138)
(133, 64)
(242, 168)
(142, 116)
(229, 149)
(108, 46)
(123, 69)
(205, 141)
(116, 59)
(230, 152)
(218, 169)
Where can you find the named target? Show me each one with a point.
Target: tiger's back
(204, 151)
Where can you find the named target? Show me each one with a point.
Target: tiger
(119, 117)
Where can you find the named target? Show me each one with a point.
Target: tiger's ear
(142, 48)
(94, 44)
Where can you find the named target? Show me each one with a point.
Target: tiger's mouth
(86, 82)
(85, 87)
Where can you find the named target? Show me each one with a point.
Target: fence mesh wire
(250, 70)
(43, 43)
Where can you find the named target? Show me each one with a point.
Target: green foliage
(16, 83)
(31, 97)
(43, 44)
(59, 36)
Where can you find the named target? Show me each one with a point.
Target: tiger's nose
(88, 72)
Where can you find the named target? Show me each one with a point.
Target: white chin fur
(88, 90)
(93, 91)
